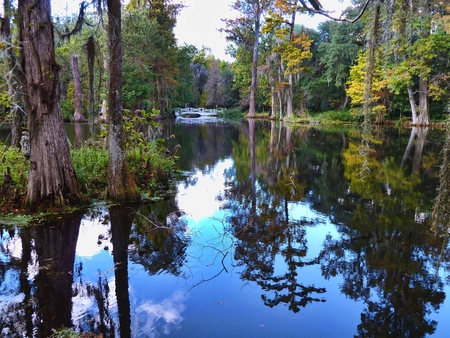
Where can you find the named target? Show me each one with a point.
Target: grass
(335, 117)
(233, 115)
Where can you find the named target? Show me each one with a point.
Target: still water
(273, 231)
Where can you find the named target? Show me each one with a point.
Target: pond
(272, 231)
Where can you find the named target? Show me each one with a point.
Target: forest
(378, 61)
(299, 70)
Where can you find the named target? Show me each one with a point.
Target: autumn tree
(293, 47)
(418, 42)
(51, 180)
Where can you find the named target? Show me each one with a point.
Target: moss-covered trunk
(121, 186)
(51, 179)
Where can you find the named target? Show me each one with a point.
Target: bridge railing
(198, 111)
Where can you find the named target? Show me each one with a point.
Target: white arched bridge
(197, 112)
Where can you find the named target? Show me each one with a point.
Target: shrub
(13, 169)
(91, 167)
(233, 114)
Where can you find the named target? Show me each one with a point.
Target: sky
(199, 22)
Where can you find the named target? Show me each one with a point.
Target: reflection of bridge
(197, 112)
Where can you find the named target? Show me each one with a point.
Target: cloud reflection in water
(153, 319)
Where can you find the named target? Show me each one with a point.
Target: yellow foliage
(356, 82)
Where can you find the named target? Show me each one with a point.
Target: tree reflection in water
(384, 251)
(136, 238)
(158, 246)
(261, 223)
(42, 301)
(283, 190)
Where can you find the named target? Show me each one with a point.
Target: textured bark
(121, 186)
(51, 179)
(78, 114)
(289, 97)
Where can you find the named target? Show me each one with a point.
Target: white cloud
(199, 22)
(151, 318)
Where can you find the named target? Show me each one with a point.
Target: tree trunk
(78, 114)
(368, 82)
(273, 101)
(289, 93)
(90, 46)
(412, 103)
(289, 97)
(424, 106)
(121, 186)
(51, 180)
(252, 103)
(421, 112)
(13, 76)
(344, 103)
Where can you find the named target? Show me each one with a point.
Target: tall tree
(214, 86)
(52, 178)
(121, 186)
(78, 114)
(162, 15)
(340, 44)
(252, 11)
(293, 47)
(14, 75)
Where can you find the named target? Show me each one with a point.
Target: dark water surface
(274, 231)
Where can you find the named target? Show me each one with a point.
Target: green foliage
(91, 167)
(338, 49)
(65, 333)
(14, 165)
(140, 36)
(149, 160)
(150, 166)
(335, 116)
(233, 114)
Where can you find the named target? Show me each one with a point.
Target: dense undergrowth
(152, 162)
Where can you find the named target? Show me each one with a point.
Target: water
(274, 231)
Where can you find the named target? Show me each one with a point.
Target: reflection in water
(47, 259)
(153, 319)
(272, 233)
